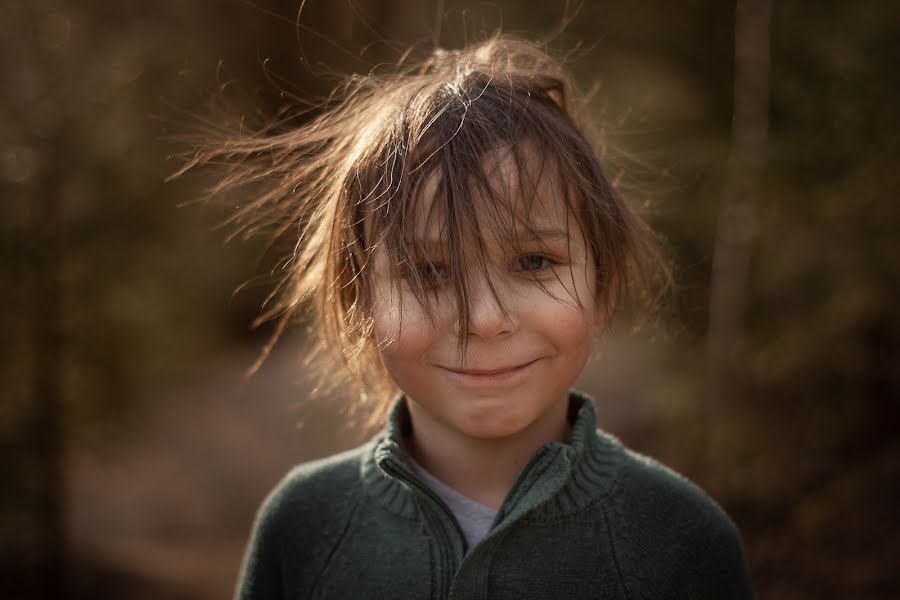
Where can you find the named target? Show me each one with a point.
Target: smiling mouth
(488, 373)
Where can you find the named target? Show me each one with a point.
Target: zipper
(448, 524)
(511, 496)
(474, 582)
(444, 518)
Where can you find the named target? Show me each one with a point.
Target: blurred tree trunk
(47, 418)
(46, 421)
(736, 230)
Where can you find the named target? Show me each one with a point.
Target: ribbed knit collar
(560, 478)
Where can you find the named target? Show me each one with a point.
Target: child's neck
(482, 469)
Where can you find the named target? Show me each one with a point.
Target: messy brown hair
(351, 179)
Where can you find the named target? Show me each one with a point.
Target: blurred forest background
(134, 455)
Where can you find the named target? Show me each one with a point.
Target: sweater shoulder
(314, 491)
(647, 482)
(321, 477)
(298, 523)
(670, 535)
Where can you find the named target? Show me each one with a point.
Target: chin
(497, 426)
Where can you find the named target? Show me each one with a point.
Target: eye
(532, 263)
(435, 271)
(432, 273)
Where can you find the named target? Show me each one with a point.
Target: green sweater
(587, 519)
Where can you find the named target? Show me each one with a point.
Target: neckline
(562, 477)
(447, 492)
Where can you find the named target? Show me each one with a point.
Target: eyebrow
(550, 234)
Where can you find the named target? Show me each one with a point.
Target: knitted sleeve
(672, 540)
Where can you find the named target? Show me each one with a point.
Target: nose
(487, 318)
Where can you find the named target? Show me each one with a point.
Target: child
(461, 244)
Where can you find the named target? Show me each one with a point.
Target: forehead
(515, 192)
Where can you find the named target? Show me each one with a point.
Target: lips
(488, 372)
(493, 378)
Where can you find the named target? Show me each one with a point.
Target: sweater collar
(559, 479)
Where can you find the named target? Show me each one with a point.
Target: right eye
(432, 273)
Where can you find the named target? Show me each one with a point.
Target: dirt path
(172, 501)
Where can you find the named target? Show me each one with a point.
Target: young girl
(460, 244)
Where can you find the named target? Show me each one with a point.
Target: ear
(556, 94)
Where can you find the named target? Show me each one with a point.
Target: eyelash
(434, 273)
(546, 262)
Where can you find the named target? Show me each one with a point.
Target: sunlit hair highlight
(388, 151)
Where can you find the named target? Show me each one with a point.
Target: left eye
(532, 262)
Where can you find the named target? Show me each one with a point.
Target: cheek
(581, 322)
(573, 329)
(569, 317)
(566, 325)
(386, 314)
(401, 330)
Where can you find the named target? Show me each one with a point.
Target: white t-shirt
(474, 518)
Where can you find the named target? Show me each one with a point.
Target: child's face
(518, 367)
